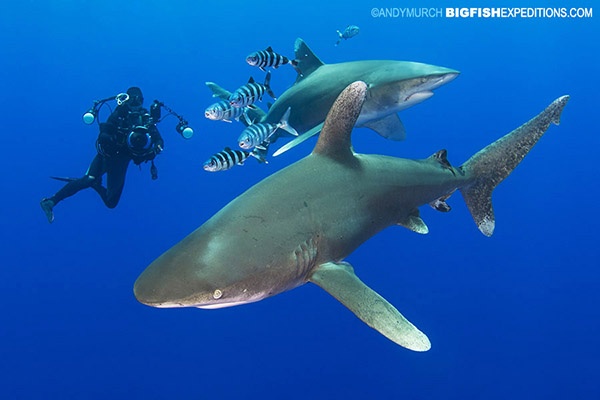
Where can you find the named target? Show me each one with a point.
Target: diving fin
(339, 280)
(390, 127)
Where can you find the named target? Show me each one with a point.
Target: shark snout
(169, 282)
(440, 80)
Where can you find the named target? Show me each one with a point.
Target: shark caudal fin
(494, 163)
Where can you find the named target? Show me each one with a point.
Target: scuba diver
(129, 134)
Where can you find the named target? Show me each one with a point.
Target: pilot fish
(247, 95)
(349, 32)
(223, 111)
(256, 134)
(267, 58)
(228, 158)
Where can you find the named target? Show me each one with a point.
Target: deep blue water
(511, 316)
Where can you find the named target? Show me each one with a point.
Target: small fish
(247, 95)
(223, 111)
(349, 32)
(228, 158)
(256, 134)
(267, 58)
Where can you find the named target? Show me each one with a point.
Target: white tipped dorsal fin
(306, 61)
(334, 140)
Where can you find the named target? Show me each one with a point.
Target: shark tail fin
(495, 162)
(268, 85)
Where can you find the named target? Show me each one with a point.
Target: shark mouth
(418, 97)
(441, 80)
(426, 89)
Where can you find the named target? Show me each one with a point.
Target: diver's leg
(116, 169)
(71, 188)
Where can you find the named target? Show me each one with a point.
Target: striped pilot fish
(223, 111)
(228, 158)
(267, 58)
(247, 95)
(349, 32)
(256, 134)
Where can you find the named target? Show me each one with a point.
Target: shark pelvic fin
(334, 141)
(414, 222)
(390, 127)
(339, 280)
(306, 61)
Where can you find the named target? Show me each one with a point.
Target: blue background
(512, 316)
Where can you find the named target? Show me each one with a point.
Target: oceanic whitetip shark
(393, 86)
(298, 225)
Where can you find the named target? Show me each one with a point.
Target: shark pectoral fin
(414, 222)
(218, 91)
(389, 127)
(339, 280)
(299, 139)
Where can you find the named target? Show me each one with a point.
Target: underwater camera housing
(182, 127)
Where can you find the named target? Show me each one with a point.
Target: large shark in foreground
(297, 225)
(393, 86)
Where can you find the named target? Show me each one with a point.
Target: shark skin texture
(297, 225)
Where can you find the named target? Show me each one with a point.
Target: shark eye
(217, 294)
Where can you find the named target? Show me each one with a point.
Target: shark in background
(299, 224)
(392, 86)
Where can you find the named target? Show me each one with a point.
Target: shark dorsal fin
(306, 61)
(334, 140)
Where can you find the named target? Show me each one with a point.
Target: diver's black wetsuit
(114, 155)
